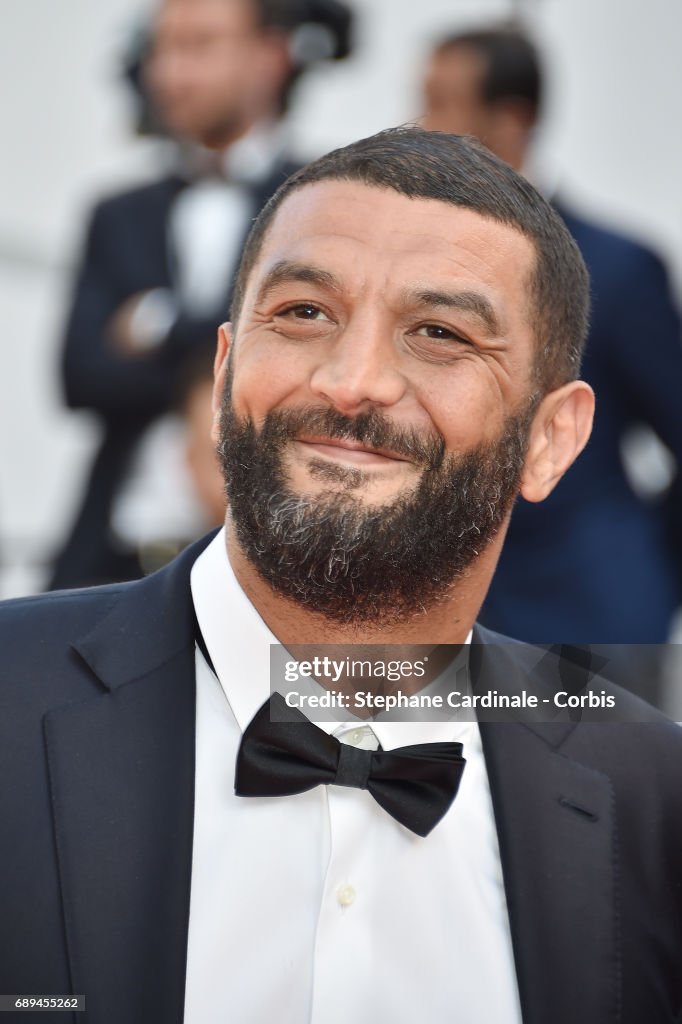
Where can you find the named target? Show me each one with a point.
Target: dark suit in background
(596, 563)
(96, 802)
(127, 252)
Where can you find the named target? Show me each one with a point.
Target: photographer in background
(156, 274)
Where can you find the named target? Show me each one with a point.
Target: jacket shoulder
(138, 199)
(603, 248)
(579, 668)
(59, 646)
(37, 659)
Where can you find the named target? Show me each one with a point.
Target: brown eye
(436, 332)
(305, 311)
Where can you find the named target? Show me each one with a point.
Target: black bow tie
(415, 784)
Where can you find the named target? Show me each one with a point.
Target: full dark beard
(351, 562)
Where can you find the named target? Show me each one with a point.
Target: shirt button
(345, 895)
(355, 737)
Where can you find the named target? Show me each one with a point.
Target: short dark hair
(512, 63)
(460, 171)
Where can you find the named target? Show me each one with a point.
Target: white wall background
(613, 139)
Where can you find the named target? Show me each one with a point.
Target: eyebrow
(287, 271)
(464, 301)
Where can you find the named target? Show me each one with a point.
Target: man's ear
(560, 430)
(219, 374)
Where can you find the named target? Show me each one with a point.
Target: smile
(350, 452)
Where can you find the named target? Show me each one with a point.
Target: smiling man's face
(365, 300)
(379, 394)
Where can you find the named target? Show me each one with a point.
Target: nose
(359, 370)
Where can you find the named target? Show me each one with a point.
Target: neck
(448, 621)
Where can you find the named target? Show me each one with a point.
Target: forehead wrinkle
(285, 271)
(464, 301)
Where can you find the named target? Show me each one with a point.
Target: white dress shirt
(320, 907)
(209, 220)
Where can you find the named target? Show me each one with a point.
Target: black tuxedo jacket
(127, 251)
(97, 690)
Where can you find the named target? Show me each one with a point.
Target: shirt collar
(238, 642)
(236, 637)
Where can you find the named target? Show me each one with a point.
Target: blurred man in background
(615, 577)
(155, 277)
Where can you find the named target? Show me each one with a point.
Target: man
(158, 264)
(402, 360)
(615, 576)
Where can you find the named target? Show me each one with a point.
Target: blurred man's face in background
(214, 69)
(453, 85)
(454, 101)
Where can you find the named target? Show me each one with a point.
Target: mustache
(371, 428)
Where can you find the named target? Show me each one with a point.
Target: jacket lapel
(556, 833)
(122, 784)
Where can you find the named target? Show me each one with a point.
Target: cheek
(230, 74)
(265, 378)
(211, 84)
(464, 412)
